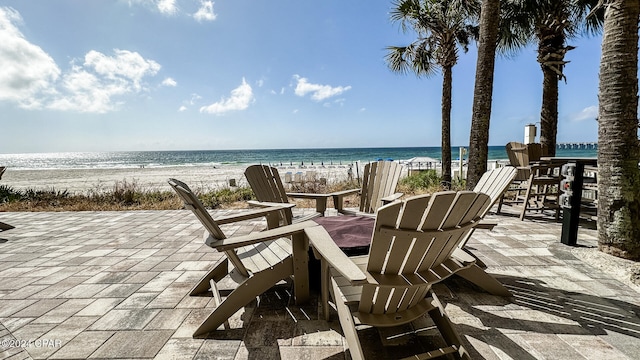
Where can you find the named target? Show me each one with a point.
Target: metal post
(571, 215)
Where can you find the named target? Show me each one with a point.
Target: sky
(126, 75)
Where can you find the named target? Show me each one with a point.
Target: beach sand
(150, 178)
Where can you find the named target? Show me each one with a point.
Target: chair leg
(525, 204)
(324, 287)
(500, 202)
(244, 294)
(219, 271)
(486, 282)
(444, 325)
(347, 324)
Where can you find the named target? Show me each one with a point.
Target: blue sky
(239, 74)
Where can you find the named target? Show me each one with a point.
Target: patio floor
(115, 285)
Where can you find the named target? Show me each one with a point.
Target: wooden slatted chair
(267, 186)
(543, 184)
(258, 261)
(537, 183)
(518, 158)
(379, 182)
(411, 249)
(494, 183)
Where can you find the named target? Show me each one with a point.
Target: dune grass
(129, 195)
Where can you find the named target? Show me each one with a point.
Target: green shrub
(422, 180)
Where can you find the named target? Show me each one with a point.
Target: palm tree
(551, 23)
(483, 91)
(442, 26)
(618, 148)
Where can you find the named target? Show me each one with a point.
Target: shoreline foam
(205, 178)
(147, 178)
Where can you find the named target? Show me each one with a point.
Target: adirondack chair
(267, 186)
(379, 182)
(493, 183)
(518, 158)
(411, 249)
(260, 260)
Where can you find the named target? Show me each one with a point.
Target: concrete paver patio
(115, 285)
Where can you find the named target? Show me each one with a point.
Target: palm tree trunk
(551, 51)
(483, 92)
(447, 83)
(549, 112)
(618, 148)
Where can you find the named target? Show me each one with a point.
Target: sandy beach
(152, 178)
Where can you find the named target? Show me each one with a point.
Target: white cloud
(167, 7)
(205, 12)
(588, 113)
(94, 85)
(318, 92)
(27, 72)
(169, 82)
(30, 78)
(240, 99)
(194, 98)
(182, 108)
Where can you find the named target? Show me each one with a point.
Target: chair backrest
(266, 183)
(192, 203)
(379, 180)
(518, 154)
(495, 182)
(411, 241)
(536, 151)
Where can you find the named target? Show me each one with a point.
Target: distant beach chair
(268, 188)
(260, 260)
(379, 182)
(2, 170)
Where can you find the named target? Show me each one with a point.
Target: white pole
(529, 133)
(461, 162)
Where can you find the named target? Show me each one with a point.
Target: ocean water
(136, 159)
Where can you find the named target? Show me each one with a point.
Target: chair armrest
(252, 214)
(486, 225)
(321, 199)
(256, 237)
(282, 206)
(329, 251)
(344, 192)
(308, 195)
(391, 198)
(338, 197)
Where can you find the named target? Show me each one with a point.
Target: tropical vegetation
(550, 24)
(442, 28)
